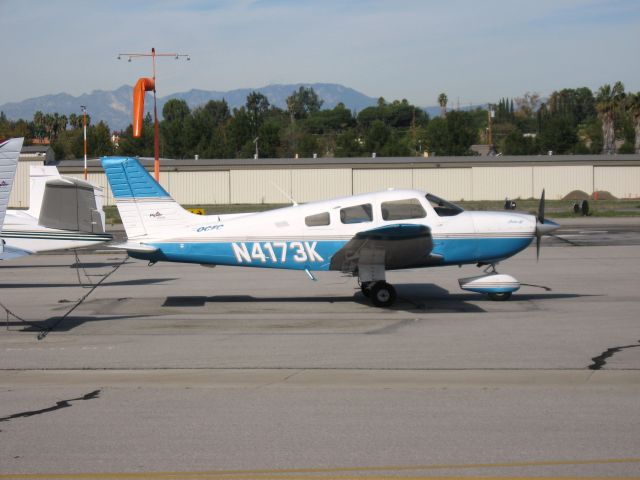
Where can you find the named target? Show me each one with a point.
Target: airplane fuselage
(306, 237)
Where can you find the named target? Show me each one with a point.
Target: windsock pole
(145, 85)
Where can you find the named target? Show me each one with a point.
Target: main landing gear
(381, 293)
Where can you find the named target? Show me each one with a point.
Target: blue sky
(475, 51)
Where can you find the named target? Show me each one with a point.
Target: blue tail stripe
(128, 179)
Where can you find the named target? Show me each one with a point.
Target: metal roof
(368, 162)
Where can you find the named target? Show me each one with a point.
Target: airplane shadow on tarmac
(412, 297)
(146, 281)
(66, 325)
(87, 265)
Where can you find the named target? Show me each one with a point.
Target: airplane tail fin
(9, 154)
(63, 202)
(146, 209)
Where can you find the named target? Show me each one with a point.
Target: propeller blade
(543, 227)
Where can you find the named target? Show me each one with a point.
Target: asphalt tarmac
(182, 371)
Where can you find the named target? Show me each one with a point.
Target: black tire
(365, 288)
(383, 294)
(500, 297)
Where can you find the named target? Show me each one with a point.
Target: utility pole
(84, 129)
(492, 114)
(152, 85)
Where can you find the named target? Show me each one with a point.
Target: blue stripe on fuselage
(291, 255)
(472, 250)
(316, 254)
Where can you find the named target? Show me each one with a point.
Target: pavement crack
(59, 405)
(601, 360)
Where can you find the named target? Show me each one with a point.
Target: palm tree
(608, 101)
(38, 125)
(442, 101)
(633, 107)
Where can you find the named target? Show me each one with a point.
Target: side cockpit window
(318, 220)
(402, 209)
(356, 214)
(442, 207)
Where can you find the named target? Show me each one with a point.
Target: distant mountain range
(115, 107)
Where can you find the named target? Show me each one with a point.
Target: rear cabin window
(402, 209)
(318, 220)
(356, 214)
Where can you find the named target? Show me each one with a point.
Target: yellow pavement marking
(309, 473)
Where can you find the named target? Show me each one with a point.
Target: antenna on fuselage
(289, 197)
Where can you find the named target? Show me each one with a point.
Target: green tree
(303, 102)
(257, 107)
(239, 134)
(558, 135)
(99, 140)
(516, 143)
(348, 144)
(608, 101)
(207, 134)
(376, 137)
(176, 120)
(335, 120)
(442, 101)
(451, 135)
(140, 147)
(632, 106)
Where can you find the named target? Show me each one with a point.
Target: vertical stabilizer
(63, 202)
(38, 177)
(146, 209)
(9, 154)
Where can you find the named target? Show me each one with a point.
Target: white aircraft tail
(63, 202)
(9, 154)
(146, 209)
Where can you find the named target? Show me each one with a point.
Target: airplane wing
(392, 246)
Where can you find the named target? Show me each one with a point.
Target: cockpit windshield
(442, 207)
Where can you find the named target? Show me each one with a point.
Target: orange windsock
(142, 85)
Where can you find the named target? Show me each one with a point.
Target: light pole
(145, 84)
(84, 129)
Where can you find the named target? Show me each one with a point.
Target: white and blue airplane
(362, 235)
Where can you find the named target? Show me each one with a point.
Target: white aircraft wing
(392, 246)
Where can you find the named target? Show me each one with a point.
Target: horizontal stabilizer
(134, 247)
